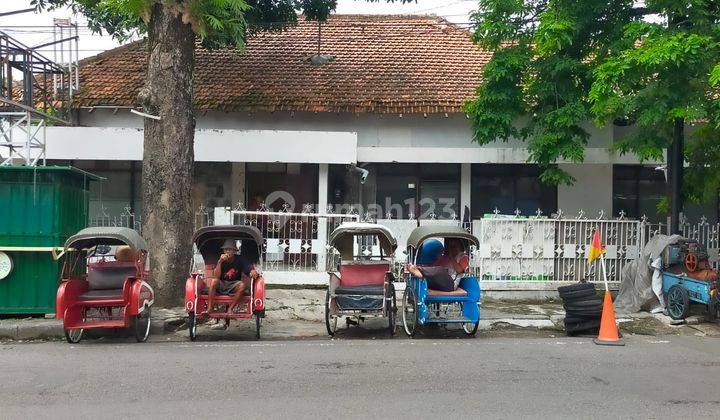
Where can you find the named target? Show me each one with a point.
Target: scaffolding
(35, 91)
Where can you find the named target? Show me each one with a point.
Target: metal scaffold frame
(35, 91)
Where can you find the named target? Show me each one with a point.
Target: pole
(602, 263)
(675, 161)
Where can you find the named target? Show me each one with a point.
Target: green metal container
(40, 207)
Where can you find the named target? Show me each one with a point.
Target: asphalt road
(363, 378)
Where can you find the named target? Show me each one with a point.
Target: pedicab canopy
(209, 240)
(423, 233)
(89, 237)
(342, 238)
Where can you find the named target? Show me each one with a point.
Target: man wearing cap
(232, 274)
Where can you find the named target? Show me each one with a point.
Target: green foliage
(560, 63)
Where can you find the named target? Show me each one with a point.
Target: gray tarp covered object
(636, 288)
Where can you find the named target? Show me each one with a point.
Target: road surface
(486, 377)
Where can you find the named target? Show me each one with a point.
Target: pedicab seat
(205, 290)
(457, 292)
(362, 285)
(361, 290)
(106, 280)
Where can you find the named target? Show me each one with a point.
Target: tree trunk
(675, 163)
(168, 153)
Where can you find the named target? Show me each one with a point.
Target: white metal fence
(512, 248)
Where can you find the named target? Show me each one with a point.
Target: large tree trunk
(168, 153)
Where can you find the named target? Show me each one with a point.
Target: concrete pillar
(322, 231)
(237, 183)
(322, 188)
(465, 190)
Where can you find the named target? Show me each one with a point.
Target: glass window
(294, 184)
(637, 190)
(422, 190)
(508, 188)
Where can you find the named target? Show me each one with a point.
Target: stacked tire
(583, 308)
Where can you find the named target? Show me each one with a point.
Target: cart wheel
(409, 311)
(392, 312)
(470, 328)
(330, 320)
(678, 302)
(142, 326)
(257, 326)
(73, 336)
(192, 326)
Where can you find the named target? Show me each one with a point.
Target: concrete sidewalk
(299, 313)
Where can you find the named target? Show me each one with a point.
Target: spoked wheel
(192, 326)
(142, 326)
(330, 320)
(678, 302)
(257, 326)
(392, 312)
(410, 311)
(74, 335)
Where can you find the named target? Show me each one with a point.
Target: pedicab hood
(342, 237)
(92, 236)
(423, 233)
(209, 240)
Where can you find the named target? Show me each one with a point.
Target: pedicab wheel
(678, 302)
(712, 310)
(192, 326)
(470, 328)
(257, 326)
(392, 313)
(73, 335)
(142, 326)
(330, 321)
(409, 311)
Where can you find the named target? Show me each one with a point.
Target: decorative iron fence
(552, 249)
(293, 241)
(125, 219)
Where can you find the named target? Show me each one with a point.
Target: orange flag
(596, 248)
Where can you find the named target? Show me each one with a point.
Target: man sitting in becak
(445, 272)
(232, 275)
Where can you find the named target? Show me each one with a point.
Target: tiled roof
(382, 64)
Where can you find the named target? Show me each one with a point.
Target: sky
(34, 29)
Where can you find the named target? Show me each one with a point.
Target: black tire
(585, 314)
(578, 294)
(257, 326)
(74, 335)
(575, 287)
(330, 321)
(192, 326)
(410, 311)
(142, 326)
(588, 303)
(593, 324)
(392, 313)
(573, 319)
(678, 303)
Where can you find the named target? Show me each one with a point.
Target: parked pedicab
(361, 287)
(209, 243)
(104, 283)
(422, 306)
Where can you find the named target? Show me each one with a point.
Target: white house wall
(379, 138)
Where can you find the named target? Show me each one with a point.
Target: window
(508, 188)
(280, 183)
(637, 190)
(422, 190)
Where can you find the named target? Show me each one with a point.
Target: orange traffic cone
(609, 335)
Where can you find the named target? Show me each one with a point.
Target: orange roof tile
(382, 64)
